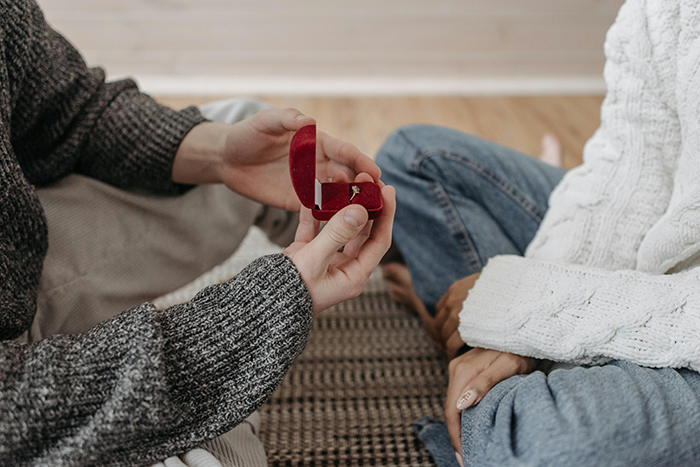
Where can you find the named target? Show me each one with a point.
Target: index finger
(458, 379)
(379, 239)
(463, 370)
(346, 154)
(308, 226)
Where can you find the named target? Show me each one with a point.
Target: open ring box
(325, 199)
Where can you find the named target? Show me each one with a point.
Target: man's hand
(251, 157)
(447, 310)
(472, 375)
(332, 276)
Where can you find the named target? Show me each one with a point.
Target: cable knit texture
(145, 385)
(610, 272)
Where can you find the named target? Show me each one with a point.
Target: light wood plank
(516, 122)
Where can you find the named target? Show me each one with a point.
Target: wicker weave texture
(368, 372)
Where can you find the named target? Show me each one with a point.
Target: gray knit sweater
(146, 384)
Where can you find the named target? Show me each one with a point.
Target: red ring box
(325, 199)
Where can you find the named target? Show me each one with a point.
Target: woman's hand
(332, 276)
(472, 375)
(251, 157)
(447, 310)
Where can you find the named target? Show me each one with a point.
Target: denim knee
(398, 152)
(407, 144)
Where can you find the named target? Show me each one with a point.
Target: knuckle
(339, 236)
(343, 149)
(514, 364)
(289, 114)
(522, 365)
(453, 365)
(520, 368)
(462, 366)
(511, 368)
(488, 380)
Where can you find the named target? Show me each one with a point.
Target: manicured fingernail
(459, 459)
(467, 400)
(354, 217)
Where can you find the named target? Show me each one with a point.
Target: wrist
(200, 156)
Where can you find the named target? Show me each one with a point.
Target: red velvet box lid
(331, 196)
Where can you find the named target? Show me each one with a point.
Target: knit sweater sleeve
(149, 384)
(65, 118)
(561, 301)
(585, 315)
(600, 212)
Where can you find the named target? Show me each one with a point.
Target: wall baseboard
(390, 86)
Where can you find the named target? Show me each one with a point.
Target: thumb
(291, 120)
(343, 227)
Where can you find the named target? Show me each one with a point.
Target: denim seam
(507, 189)
(456, 226)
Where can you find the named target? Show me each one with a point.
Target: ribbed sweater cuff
(135, 140)
(493, 312)
(148, 157)
(170, 131)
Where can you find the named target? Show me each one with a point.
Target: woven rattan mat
(350, 399)
(368, 372)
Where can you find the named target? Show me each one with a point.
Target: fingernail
(467, 400)
(354, 217)
(301, 117)
(459, 459)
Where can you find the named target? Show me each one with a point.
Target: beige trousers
(110, 250)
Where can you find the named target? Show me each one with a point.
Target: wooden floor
(517, 122)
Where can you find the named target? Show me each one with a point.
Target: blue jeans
(462, 200)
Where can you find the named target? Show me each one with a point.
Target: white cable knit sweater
(612, 272)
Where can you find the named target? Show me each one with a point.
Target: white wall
(360, 45)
